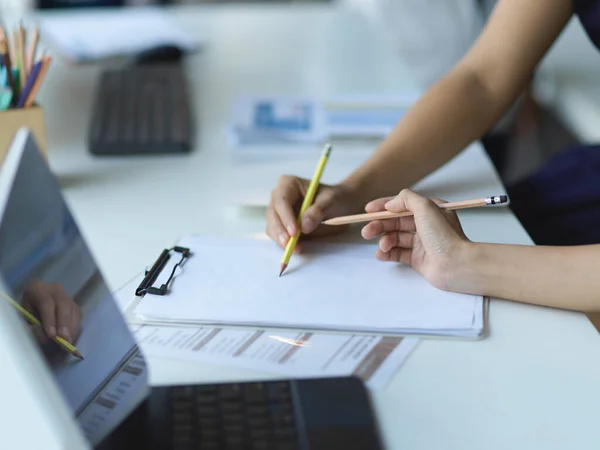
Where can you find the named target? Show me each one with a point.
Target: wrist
(356, 192)
(470, 262)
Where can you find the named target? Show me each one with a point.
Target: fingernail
(291, 230)
(64, 332)
(52, 331)
(282, 239)
(382, 247)
(307, 224)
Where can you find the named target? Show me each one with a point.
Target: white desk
(533, 383)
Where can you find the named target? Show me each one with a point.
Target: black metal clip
(146, 286)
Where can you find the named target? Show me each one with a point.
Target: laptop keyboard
(244, 416)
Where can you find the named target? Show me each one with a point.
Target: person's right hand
(286, 200)
(58, 312)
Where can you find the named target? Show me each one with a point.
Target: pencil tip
(282, 269)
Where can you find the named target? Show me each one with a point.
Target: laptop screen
(47, 267)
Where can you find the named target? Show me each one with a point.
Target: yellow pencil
(308, 199)
(60, 341)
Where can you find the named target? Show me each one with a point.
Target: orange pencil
(464, 204)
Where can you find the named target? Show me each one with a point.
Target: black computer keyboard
(304, 414)
(257, 416)
(141, 109)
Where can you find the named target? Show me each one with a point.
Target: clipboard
(185, 303)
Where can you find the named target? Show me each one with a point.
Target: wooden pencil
(382, 215)
(40, 78)
(31, 49)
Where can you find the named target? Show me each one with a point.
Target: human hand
(286, 200)
(431, 240)
(58, 313)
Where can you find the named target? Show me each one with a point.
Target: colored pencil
(46, 60)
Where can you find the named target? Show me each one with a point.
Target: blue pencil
(29, 84)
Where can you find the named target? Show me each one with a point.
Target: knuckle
(285, 179)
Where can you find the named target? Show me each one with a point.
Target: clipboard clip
(146, 286)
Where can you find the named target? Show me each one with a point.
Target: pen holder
(13, 119)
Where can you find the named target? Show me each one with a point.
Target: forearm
(560, 277)
(447, 118)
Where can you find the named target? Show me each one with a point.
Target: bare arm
(467, 101)
(559, 277)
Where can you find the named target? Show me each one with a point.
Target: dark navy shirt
(588, 12)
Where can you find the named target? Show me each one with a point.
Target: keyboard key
(255, 393)
(285, 446)
(260, 434)
(230, 391)
(206, 388)
(258, 422)
(181, 392)
(234, 442)
(206, 398)
(209, 434)
(284, 419)
(232, 407)
(235, 429)
(208, 423)
(261, 445)
(284, 433)
(208, 446)
(257, 411)
(207, 410)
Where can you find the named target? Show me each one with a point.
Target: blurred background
(560, 109)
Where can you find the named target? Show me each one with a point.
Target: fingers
(281, 219)
(286, 195)
(65, 310)
(315, 214)
(401, 239)
(275, 229)
(397, 254)
(378, 227)
(59, 314)
(408, 200)
(42, 301)
(377, 205)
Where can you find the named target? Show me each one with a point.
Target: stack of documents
(97, 35)
(259, 121)
(330, 287)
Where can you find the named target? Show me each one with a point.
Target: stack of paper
(99, 34)
(259, 121)
(331, 287)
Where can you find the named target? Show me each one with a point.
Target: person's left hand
(58, 313)
(431, 240)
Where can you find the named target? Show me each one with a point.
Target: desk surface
(531, 384)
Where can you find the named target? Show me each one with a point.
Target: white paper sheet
(332, 287)
(299, 354)
(85, 36)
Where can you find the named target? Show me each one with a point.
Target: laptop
(104, 400)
